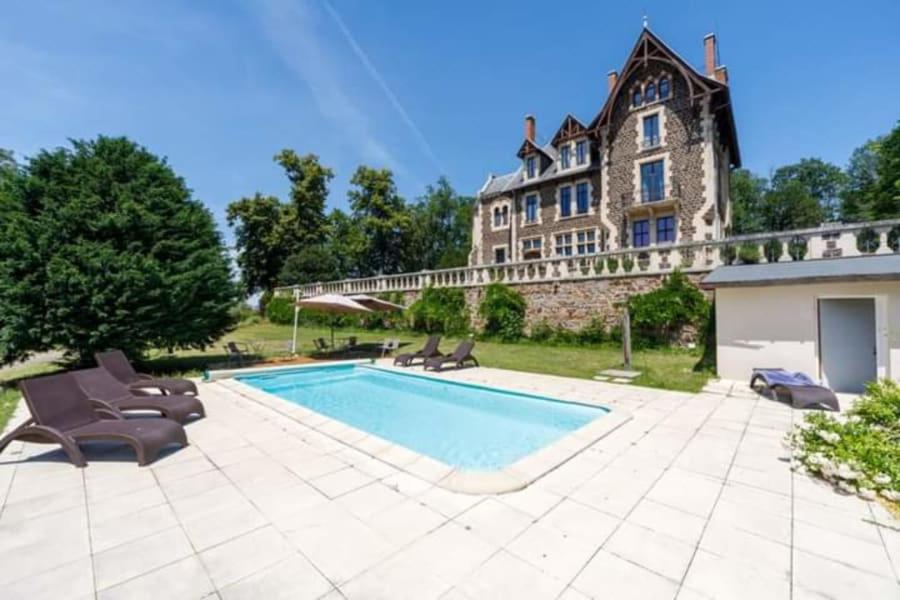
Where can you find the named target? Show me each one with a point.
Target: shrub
(748, 254)
(541, 331)
(564, 336)
(657, 317)
(280, 310)
(628, 264)
(592, 333)
(503, 311)
(440, 310)
(386, 319)
(264, 299)
(243, 313)
(612, 264)
(858, 452)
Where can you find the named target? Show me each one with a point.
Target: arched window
(505, 215)
(636, 98)
(498, 217)
(650, 92)
(663, 88)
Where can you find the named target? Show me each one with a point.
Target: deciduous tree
(823, 181)
(442, 228)
(303, 220)
(383, 220)
(257, 223)
(747, 192)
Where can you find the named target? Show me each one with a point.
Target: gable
(648, 50)
(570, 128)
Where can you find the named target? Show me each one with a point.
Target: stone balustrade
(822, 243)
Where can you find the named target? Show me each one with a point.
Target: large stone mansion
(652, 168)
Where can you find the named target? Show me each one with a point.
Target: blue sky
(424, 88)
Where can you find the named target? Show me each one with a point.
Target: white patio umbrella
(373, 303)
(333, 304)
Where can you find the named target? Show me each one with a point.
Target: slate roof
(878, 267)
(497, 184)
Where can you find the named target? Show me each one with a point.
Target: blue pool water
(468, 426)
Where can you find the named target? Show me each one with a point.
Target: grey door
(847, 338)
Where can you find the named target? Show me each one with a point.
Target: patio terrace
(691, 499)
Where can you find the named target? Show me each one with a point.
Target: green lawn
(668, 369)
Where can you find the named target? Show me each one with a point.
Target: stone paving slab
(692, 498)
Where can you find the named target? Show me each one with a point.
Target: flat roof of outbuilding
(880, 267)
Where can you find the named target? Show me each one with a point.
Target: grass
(9, 392)
(667, 369)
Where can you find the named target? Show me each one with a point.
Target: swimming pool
(463, 425)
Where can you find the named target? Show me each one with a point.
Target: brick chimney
(529, 128)
(611, 78)
(709, 53)
(722, 74)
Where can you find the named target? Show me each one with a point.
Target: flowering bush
(858, 452)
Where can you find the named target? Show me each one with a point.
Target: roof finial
(646, 20)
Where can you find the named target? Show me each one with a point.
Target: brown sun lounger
(430, 350)
(458, 359)
(118, 365)
(105, 390)
(61, 413)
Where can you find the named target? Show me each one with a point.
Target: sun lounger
(235, 355)
(430, 350)
(107, 391)
(117, 364)
(458, 359)
(802, 391)
(62, 413)
(321, 345)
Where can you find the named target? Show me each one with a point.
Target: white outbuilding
(838, 320)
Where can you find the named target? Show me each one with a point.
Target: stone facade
(572, 304)
(696, 143)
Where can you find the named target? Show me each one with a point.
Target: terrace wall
(571, 304)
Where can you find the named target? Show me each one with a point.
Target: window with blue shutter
(640, 233)
(581, 198)
(565, 201)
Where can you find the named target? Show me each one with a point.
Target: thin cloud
(295, 32)
(388, 92)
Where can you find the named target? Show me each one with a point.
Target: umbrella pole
(294, 339)
(332, 333)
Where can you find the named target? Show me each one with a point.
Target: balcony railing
(833, 241)
(655, 193)
(649, 142)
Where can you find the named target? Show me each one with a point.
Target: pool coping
(514, 477)
(220, 374)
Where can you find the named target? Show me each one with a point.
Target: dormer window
(581, 152)
(651, 91)
(663, 88)
(530, 167)
(564, 159)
